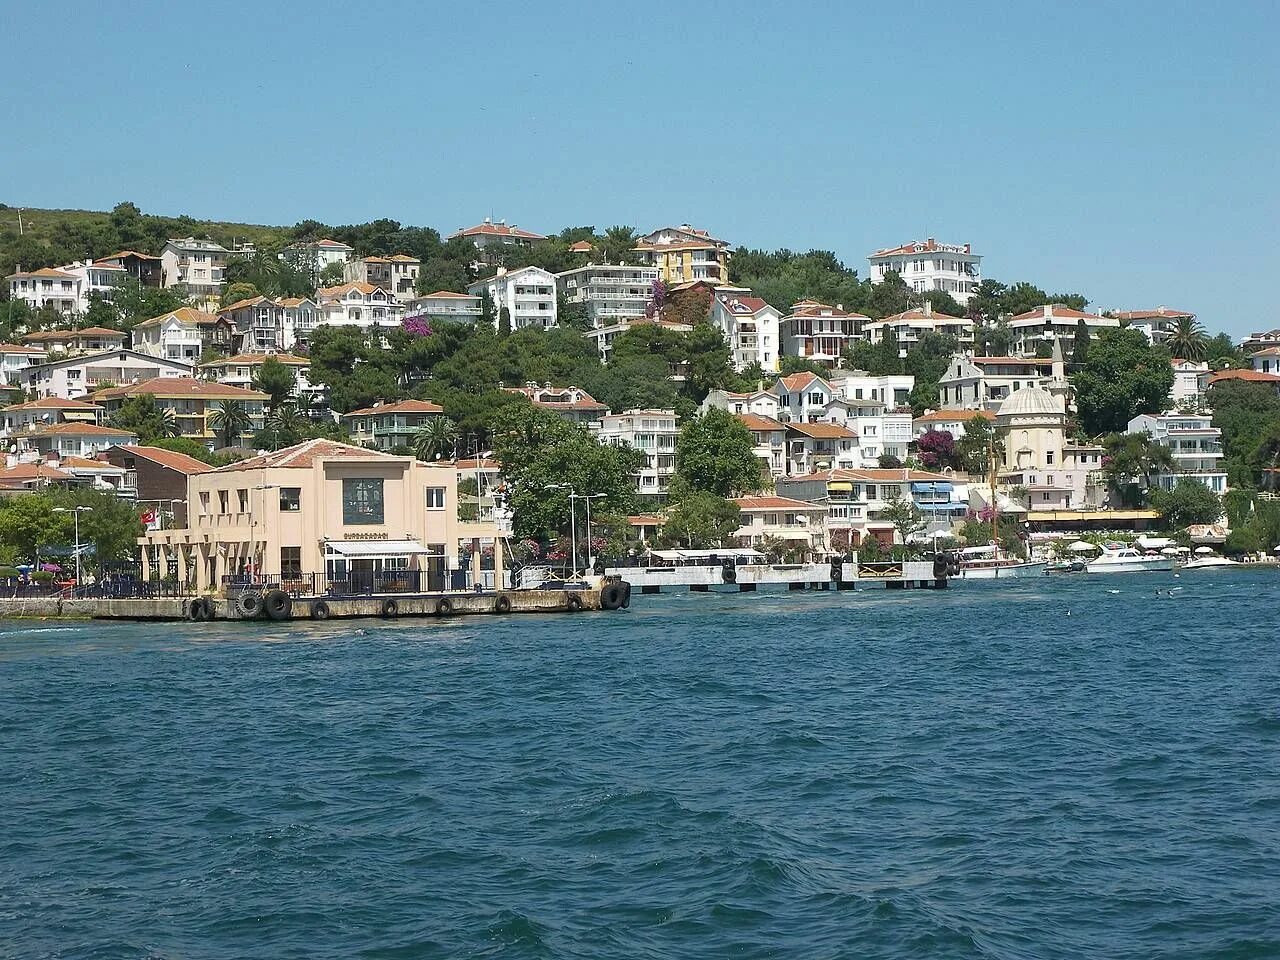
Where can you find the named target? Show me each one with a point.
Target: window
(435, 498)
(242, 497)
(222, 501)
(290, 499)
(291, 562)
(1048, 457)
(361, 501)
(204, 502)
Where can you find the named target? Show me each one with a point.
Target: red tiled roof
(399, 406)
(73, 334)
(1253, 376)
(449, 294)
(496, 230)
(748, 305)
(342, 289)
(917, 314)
(1059, 310)
(812, 308)
(935, 416)
(53, 403)
(121, 254)
(183, 315)
(582, 246)
(915, 246)
(823, 431)
(168, 458)
(21, 472)
(78, 430)
(799, 381)
(19, 348)
(254, 359)
(304, 455)
(180, 387)
(774, 503)
(753, 421)
(1159, 313)
(45, 272)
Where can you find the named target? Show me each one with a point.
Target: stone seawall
(385, 607)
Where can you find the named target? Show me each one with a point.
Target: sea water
(1059, 767)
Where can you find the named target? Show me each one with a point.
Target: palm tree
(231, 419)
(1187, 340)
(435, 438)
(284, 419)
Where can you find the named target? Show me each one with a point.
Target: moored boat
(1127, 560)
(991, 563)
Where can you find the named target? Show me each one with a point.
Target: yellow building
(683, 254)
(326, 516)
(192, 403)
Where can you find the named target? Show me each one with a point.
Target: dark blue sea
(1053, 768)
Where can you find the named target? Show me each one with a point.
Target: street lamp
(75, 513)
(573, 529)
(253, 524)
(587, 497)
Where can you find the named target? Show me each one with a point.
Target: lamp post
(75, 513)
(573, 528)
(253, 525)
(587, 497)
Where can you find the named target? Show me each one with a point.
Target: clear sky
(1123, 150)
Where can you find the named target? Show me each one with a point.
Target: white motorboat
(1127, 560)
(1209, 563)
(990, 563)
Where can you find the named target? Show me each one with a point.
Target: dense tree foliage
(1190, 501)
(1123, 376)
(1248, 414)
(30, 521)
(714, 455)
(700, 521)
(1131, 463)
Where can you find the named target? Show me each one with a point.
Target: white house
(808, 398)
(821, 446)
(751, 327)
(358, 304)
(242, 371)
(494, 233)
(947, 421)
(910, 325)
(45, 412)
(74, 377)
(819, 332)
(653, 433)
(527, 293)
(1196, 445)
(1156, 324)
(48, 286)
(613, 292)
(800, 524)
(183, 334)
(1054, 322)
(929, 265)
(14, 360)
(445, 305)
(198, 266)
(983, 383)
(70, 342)
(315, 255)
(396, 274)
(769, 441)
(763, 403)
(893, 390)
(1189, 374)
(1266, 360)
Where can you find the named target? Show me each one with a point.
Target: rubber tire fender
(444, 607)
(502, 604)
(626, 594)
(195, 609)
(390, 609)
(319, 610)
(729, 572)
(249, 604)
(206, 608)
(574, 602)
(940, 565)
(278, 604)
(611, 597)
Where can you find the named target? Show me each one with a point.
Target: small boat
(1210, 562)
(991, 563)
(1127, 560)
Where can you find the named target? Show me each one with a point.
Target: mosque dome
(1030, 402)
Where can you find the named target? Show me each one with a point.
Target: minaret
(1058, 384)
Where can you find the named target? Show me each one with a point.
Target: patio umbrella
(1170, 551)
(1082, 546)
(1203, 550)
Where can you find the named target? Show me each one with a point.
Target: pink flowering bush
(417, 326)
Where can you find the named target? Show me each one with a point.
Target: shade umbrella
(1082, 546)
(1170, 551)
(1201, 551)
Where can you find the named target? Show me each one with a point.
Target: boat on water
(989, 562)
(1127, 560)
(1210, 562)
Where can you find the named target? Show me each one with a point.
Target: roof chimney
(967, 248)
(929, 241)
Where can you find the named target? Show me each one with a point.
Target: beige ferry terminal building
(355, 516)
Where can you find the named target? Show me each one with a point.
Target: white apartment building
(489, 233)
(569, 403)
(315, 255)
(198, 266)
(183, 334)
(242, 371)
(47, 286)
(819, 332)
(763, 403)
(1196, 445)
(71, 342)
(613, 293)
(1189, 374)
(1155, 324)
(396, 274)
(929, 265)
(983, 383)
(1054, 322)
(947, 421)
(763, 518)
(910, 325)
(1264, 361)
(528, 293)
(298, 317)
(14, 360)
(447, 306)
(808, 398)
(74, 377)
(751, 327)
(769, 442)
(821, 446)
(358, 304)
(653, 433)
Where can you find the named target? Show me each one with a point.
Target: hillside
(51, 237)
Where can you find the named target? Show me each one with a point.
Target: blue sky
(1126, 151)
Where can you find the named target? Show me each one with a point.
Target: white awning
(373, 549)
